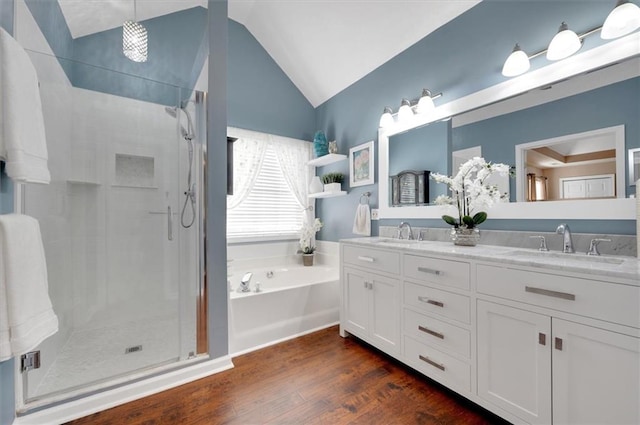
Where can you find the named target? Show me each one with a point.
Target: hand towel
(362, 220)
(26, 313)
(22, 138)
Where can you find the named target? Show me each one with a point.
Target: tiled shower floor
(97, 354)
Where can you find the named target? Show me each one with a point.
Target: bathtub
(294, 301)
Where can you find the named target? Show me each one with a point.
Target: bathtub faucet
(244, 283)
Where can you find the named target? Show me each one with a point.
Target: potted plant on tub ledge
(333, 182)
(307, 241)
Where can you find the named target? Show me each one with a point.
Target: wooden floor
(320, 378)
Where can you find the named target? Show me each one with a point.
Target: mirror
(584, 103)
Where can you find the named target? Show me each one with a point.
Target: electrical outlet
(374, 214)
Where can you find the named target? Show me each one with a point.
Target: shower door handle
(169, 214)
(169, 223)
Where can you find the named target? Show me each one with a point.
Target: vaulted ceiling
(322, 45)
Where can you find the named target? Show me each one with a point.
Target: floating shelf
(327, 194)
(327, 159)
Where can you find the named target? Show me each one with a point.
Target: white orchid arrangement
(469, 192)
(307, 235)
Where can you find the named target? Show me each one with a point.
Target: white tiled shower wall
(108, 258)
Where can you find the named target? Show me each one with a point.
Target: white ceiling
(322, 45)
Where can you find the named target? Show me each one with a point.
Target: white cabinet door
(385, 313)
(356, 302)
(372, 308)
(599, 188)
(514, 361)
(596, 376)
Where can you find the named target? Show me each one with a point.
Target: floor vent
(133, 349)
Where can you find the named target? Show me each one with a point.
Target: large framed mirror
(598, 87)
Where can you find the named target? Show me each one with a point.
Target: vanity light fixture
(422, 106)
(405, 112)
(623, 19)
(517, 63)
(425, 104)
(134, 39)
(386, 120)
(564, 44)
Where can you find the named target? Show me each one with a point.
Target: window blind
(271, 209)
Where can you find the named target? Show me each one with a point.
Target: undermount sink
(397, 241)
(567, 257)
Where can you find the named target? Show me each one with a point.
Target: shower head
(173, 112)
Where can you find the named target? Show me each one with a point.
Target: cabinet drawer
(435, 301)
(441, 272)
(437, 333)
(372, 258)
(434, 363)
(612, 302)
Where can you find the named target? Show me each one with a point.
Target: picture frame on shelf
(361, 161)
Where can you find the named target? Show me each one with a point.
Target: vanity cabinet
(546, 369)
(371, 308)
(531, 344)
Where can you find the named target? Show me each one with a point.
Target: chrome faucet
(567, 243)
(402, 226)
(244, 283)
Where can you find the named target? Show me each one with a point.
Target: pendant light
(564, 44)
(386, 120)
(425, 104)
(405, 112)
(134, 39)
(517, 63)
(622, 20)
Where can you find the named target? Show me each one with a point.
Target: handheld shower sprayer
(188, 135)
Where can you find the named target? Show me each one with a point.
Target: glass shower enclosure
(121, 223)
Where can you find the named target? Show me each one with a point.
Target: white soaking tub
(294, 301)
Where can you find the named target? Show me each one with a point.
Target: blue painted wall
(7, 397)
(175, 42)
(462, 57)
(261, 96)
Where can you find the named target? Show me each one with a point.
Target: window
(270, 210)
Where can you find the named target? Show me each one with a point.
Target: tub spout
(244, 283)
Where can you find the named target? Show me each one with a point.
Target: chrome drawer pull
(432, 271)
(430, 332)
(549, 293)
(367, 259)
(431, 362)
(433, 302)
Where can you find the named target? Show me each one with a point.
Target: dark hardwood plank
(320, 378)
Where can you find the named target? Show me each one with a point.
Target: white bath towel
(22, 138)
(362, 220)
(26, 314)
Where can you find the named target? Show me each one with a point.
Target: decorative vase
(465, 237)
(332, 187)
(307, 259)
(320, 144)
(316, 185)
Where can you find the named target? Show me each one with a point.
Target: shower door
(122, 257)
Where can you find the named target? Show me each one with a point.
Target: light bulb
(564, 44)
(405, 112)
(517, 63)
(134, 41)
(425, 104)
(622, 20)
(386, 120)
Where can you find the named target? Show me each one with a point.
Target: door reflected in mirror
(577, 166)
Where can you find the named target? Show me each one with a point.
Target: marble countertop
(620, 267)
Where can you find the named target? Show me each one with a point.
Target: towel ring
(366, 196)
